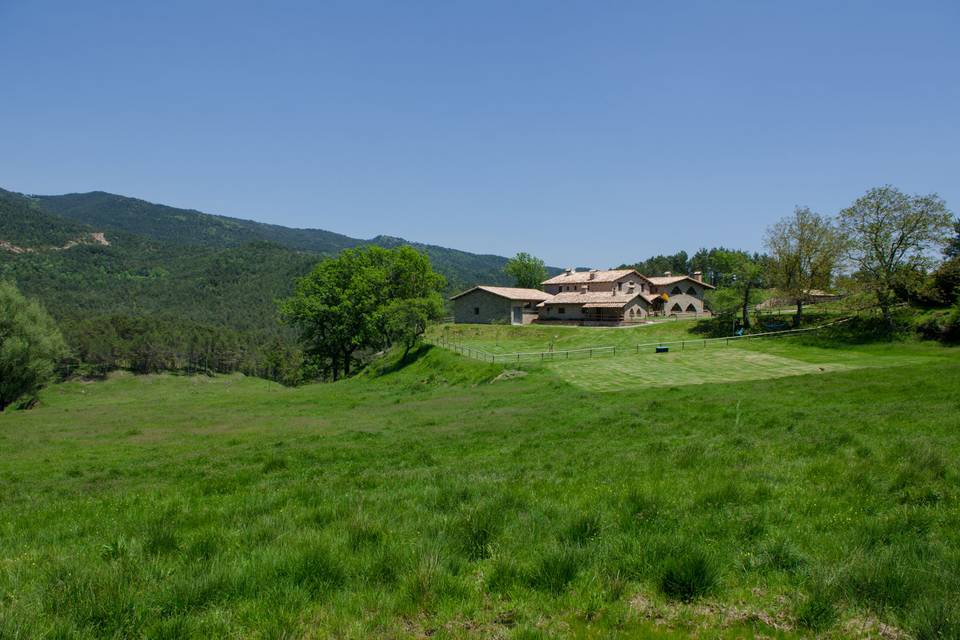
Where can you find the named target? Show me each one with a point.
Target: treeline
(718, 264)
(147, 344)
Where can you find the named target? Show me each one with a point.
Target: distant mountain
(149, 287)
(92, 258)
(188, 227)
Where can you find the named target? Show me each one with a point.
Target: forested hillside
(187, 227)
(167, 288)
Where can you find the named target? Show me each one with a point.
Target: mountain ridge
(191, 227)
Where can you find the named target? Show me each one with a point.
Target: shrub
(30, 345)
(688, 576)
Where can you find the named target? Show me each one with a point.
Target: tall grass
(429, 501)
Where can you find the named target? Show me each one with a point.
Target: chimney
(568, 270)
(667, 274)
(593, 274)
(698, 276)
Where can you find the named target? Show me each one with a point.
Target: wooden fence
(596, 352)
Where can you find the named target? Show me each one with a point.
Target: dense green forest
(187, 227)
(176, 289)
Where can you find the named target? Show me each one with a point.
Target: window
(619, 286)
(476, 311)
(691, 308)
(676, 308)
(691, 291)
(676, 291)
(561, 309)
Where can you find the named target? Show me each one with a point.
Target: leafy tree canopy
(364, 299)
(30, 346)
(526, 270)
(886, 230)
(804, 254)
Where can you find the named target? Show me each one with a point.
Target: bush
(30, 345)
(688, 576)
(943, 325)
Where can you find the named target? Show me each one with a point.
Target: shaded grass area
(428, 501)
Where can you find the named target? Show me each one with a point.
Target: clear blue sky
(589, 133)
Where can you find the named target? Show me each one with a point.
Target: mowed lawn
(719, 362)
(502, 339)
(443, 499)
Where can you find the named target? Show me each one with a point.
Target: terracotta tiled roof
(583, 277)
(663, 281)
(593, 299)
(511, 293)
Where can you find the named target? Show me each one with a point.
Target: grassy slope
(512, 339)
(429, 501)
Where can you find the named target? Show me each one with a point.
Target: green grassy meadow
(814, 495)
(502, 339)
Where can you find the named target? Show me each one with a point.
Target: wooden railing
(595, 352)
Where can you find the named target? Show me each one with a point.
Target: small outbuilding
(508, 305)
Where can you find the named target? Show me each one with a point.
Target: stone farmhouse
(612, 297)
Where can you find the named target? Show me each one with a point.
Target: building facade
(611, 297)
(506, 305)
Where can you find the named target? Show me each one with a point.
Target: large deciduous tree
(741, 281)
(364, 299)
(952, 248)
(30, 345)
(888, 230)
(804, 252)
(526, 270)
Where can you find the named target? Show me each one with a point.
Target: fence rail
(591, 352)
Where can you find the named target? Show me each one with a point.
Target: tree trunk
(746, 309)
(799, 317)
(884, 301)
(347, 356)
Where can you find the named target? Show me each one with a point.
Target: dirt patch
(508, 374)
(97, 237)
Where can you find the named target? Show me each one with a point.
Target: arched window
(676, 291)
(676, 308)
(691, 308)
(691, 291)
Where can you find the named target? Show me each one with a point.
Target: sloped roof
(583, 277)
(510, 293)
(594, 299)
(663, 281)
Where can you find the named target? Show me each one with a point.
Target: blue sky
(589, 133)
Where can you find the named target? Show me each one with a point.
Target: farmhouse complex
(613, 297)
